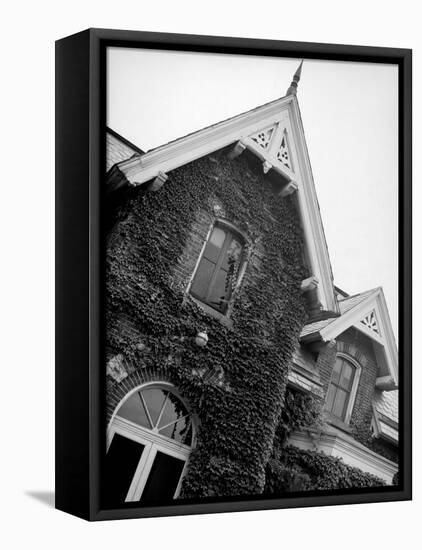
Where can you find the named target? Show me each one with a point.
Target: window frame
(152, 441)
(228, 227)
(351, 394)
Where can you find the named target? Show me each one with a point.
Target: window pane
(120, 464)
(218, 269)
(232, 256)
(219, 292)
(214, 245)
(217, 237)
(163, 478)
(133, 410)
(187, 438)
(154, 400)
(336, 370)
(173, 410)
(330, 397)
(202, 279)
(177, 430)
(339, 403)
(346, 377)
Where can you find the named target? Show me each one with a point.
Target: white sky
(350, 116)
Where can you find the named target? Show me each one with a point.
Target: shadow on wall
(45, 497)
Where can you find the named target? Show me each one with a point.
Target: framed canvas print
(233, 274)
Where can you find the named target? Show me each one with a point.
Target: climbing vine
(299, 411)
(304, 470)
(293, 469)
(236, 384)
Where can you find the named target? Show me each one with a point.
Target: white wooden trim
(355, 385)
(352, 452)
(290, 188)
(137, 432)
(310, 213)
(285, 112)
(141, 475)
(386, 350)
(309, 284)
(152, 442)
(159, 384)
(151, 439)
(390, 433)
(246, 246)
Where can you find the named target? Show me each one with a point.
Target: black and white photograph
(251, 277)
(207, 282)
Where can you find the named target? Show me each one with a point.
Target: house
(235, 366)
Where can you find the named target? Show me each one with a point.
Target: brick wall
(325, 363)
(359, 347)
(181, 274)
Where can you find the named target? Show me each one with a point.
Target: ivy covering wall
(304, 470)
(293, 469)
(236, 384)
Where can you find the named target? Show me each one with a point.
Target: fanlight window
(219, 268)
(149, 443)
(340, 388)
(160, 411)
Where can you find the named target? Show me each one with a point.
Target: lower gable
(353, 437)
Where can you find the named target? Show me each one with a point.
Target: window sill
(224, 319)
(340, 424)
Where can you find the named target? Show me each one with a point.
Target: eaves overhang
(282, 118)
(381, 334)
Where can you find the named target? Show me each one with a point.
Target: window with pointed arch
(148, 445)
(342, 389)
(219, 268)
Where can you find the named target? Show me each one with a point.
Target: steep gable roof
(368, 313)
(345, 305)
(274, 133)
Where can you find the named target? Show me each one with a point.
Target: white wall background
(27, 275)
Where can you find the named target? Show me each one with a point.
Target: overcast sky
(350, 116)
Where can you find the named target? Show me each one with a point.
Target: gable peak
(292, 90)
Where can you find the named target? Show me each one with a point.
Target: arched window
(342, 389)
(219, 268)
(148, 445)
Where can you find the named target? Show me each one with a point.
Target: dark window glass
(163, 478)
(177, 430)
(121, 461)
(173, 411)
(218, 269)
(338, 393)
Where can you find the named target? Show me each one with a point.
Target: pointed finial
(293, 86)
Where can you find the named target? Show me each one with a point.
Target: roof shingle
(387, 404)
(346, 304)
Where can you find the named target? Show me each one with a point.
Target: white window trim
(152, 441)
(246, 248)
(355, 385)
(337, 443)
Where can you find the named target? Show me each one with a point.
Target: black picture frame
(80, 150)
